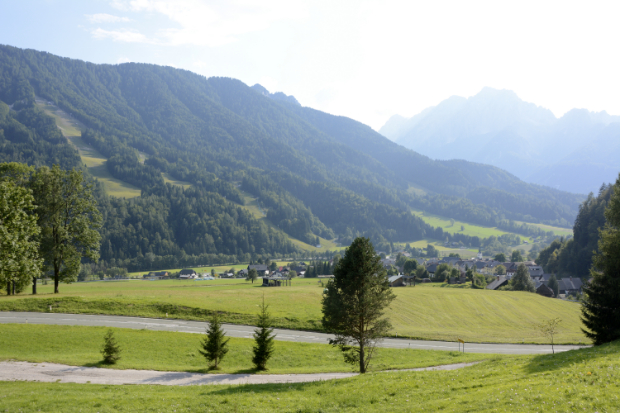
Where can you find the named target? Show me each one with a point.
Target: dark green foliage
(501, 257)
(111, 350)
(215, 345)
(252, 275)
(522, 281)
(313, 174)
(601, 306)
(442, 273)
(516, 256)
(410, 266)
(478, 281)
(355, 301)
(574, 256)
(553, 284)
(263, 339)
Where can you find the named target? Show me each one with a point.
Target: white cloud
(212, 23)
(106, 18)
(125, 36)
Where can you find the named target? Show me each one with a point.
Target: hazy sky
(364, 59)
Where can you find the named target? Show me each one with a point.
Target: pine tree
(263, 337)
(355, 301)
(214, 345)
(601, 306)
(111, 351)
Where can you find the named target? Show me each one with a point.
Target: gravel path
(51, 372)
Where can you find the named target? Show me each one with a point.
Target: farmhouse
(569, 285)
(499, 282)
(396, 281)
(187, 274)
(158, 275)
(260, 269)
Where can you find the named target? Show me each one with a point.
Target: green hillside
(189, 145)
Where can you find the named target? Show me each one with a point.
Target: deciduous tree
(69, 220)
(355, 301)
(252, 275)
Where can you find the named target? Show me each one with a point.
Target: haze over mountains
(575, 153)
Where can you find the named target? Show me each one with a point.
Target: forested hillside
(314, 174)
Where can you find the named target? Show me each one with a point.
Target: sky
(367, 60)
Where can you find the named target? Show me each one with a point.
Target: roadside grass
(426, 311)
(171, 351)
(579, 380)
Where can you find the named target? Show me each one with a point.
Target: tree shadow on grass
(269, 388)
(551, 362)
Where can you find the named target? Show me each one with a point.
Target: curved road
(233, 330)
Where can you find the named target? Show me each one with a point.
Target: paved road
(234, 330)
(51, 372)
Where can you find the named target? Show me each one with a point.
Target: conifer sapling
(111, 351)
(215, 344)
(263, 338)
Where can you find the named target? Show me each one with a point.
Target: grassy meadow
(580, 380)
(170, 351)
(428, 311)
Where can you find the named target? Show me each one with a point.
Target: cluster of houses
(276, 278)
(567, 286)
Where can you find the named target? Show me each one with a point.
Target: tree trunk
(34, 285)
(56, 283)
(362, 361)
(8, 288)
(13, 287)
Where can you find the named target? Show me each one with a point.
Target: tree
(213, 272)
(442, 272)
(500, 270)
(354, 303)
(292, 274)
(431, 251)
(553, 284)
(19, 258)
(273, 266)
(478, 281)
(600, 309)
(410, 266)
(215, 345)
(516, 256)
(421, 272)
(252, 275)
(263, 339)
(69, 220)
(462, 228)
(522, 280)
(111, 351)
(501, 257)
(549, 328)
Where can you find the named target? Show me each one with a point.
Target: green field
(170, 180)
(167, 351)
(469, 229)
(585, 380)
(428, 311)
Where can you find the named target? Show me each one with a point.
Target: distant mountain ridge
(495, 127)
(277, 96)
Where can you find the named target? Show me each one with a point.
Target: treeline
(574, 256)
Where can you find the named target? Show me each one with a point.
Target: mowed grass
(469, 229)
(586, 380)
(170, 351)
(93, 159)
(426, 311)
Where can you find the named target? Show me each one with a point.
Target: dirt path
(51, 372)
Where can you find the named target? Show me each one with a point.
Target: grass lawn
(168, 351)
(580, 380)
(428, 311)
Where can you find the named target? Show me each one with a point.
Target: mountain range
(576, 153)
(310, 173)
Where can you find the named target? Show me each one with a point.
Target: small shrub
(111, 351)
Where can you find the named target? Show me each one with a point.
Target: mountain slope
(312, 173)
(495, 127)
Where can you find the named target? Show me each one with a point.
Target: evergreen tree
(263, 339)
(601, 306)
(355, 301)
(522, 281)
(214, 345)
(111, 351)
(553, 284)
